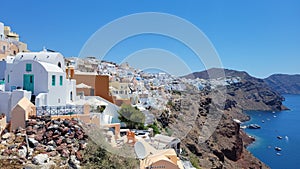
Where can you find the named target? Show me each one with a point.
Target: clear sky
(259, 36)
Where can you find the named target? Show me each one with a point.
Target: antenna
(140, 150)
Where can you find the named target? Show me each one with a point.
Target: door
(28, 83)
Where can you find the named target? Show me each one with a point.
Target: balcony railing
(58, 110)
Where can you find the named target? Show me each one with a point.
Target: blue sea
(285, 124)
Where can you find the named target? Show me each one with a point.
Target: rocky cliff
(284, 84)
(225, 147)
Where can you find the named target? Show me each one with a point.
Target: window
(53, 80)
(59, 64)
(28, 67)
(71, 96)
(4, 48)
(61, 80)
(7, 78)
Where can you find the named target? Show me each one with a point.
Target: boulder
(73, 162)
(51, 143)
(78, 156)
(39, 137)
(2, 146)
(49, 133)
(6, 136)
(22, 152)
(36, 127)
(40, 148)
(57, 122)
(72, 151)
(40, 159)
(7, 152)
(65, 153)
(11, 139)
(52, 153)
(56, 132)
(50, 148)
(69, 141)
(61, 147)
(65, 130)
(31, 122)
(30, 130)
(66, 122)
(19, 138)
(32, 142)
(58, 141)
(12, 146)
(55, 126)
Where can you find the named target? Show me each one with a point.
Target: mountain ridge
(281, 83)
(284, 83)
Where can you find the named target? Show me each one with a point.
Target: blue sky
(258, 36)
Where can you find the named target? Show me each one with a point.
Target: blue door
(28, 82)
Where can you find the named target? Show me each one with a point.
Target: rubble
(44, 140)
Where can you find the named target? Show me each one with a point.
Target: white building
(110, 113)
(1, 31)
(2, 69)
(42, 73)
(8, 100)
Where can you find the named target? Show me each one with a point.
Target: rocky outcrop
(253, 95)
(46, 142)
(284, 84)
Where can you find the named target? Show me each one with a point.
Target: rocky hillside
(53, 144)
(284, 84)
(199, 116)
(44, 143)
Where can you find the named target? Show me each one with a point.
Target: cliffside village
(45, 83)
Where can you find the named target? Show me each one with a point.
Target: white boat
(277, 148)
(254, 126)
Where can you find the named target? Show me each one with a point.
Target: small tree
(131, 116)
(155, 128)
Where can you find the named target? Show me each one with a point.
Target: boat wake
(286, 138)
